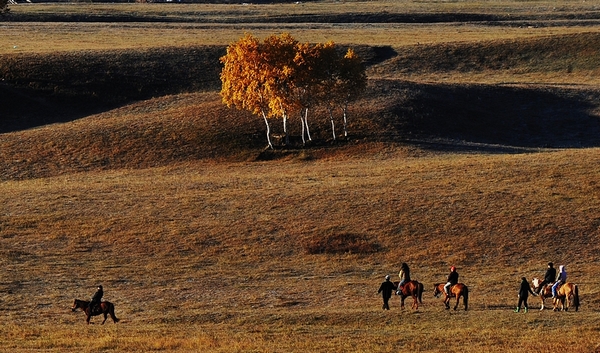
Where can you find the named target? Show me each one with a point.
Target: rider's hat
(100, 287)
(387, 277)
(452, 268)
(550, 264)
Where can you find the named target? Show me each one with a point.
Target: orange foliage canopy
(279, 75)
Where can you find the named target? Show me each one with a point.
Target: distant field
(68, 27)
(476, 144)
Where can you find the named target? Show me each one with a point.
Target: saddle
(549, 285)
(96, 308)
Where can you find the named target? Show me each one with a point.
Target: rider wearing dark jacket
(96, 298)
(549, 277)
(452, 280)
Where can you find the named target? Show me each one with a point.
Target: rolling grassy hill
(123, 168)
(187, 121)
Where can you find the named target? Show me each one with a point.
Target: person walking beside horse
(524, 291)
(386, 289)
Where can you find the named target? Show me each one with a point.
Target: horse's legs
(105, 316)
(87, 319)
(457, 301)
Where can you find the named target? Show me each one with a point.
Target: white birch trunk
(332, 122)
(306, 123)
(345, 109)
(268, 130)
(285, 131)
(302, 122)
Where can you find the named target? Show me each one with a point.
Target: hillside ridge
(122, 111)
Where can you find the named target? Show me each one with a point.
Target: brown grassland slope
(120, 166)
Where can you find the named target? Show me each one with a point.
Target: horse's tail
(111, 312)
(466, 297)
(420, 289)
(576, 297)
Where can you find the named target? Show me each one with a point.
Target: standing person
(404, 276)
(386, 289)
(524, 291)
(96, 298)
(549, 277)
(560, 279)
(452, 280)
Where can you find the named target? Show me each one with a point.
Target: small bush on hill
(340, 243)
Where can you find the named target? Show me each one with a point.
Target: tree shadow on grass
(495, 118)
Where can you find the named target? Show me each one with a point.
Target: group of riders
(388, 287)
(550, 278)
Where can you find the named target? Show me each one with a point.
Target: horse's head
(436, 290)
(76, 305)
(535, 282)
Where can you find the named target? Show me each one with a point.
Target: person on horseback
(386, 289)
(452, 280)
(96, 298)
(560, 279)
(404, 276)
(549, 277)
(524, 291)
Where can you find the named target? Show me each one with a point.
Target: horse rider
(404, 276)
(560, 279)
(549, 277)
(452, 280)
(96, 298)
(387, 287)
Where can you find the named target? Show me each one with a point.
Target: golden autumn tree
(279, 52)
(245, 79)
(327, 78)
(309, 74)
(280, 77)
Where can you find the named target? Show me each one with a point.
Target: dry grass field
(477, 144)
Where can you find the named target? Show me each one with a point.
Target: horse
(568, 293)
(412, 289)
(105, 308)
(545, 292)
(456, 291)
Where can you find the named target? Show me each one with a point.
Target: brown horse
(105, 308)
(456, 291)
(412, 289)
(568, 293)
(545, 292)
